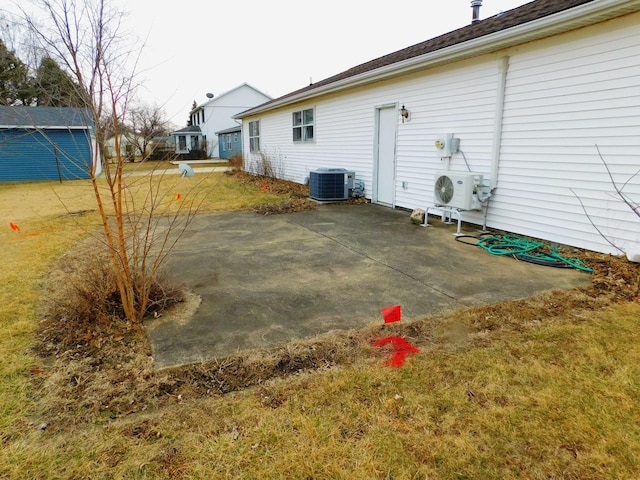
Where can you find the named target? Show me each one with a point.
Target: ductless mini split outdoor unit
(330, 184)
(457, 190)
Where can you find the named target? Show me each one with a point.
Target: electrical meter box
(446, 144)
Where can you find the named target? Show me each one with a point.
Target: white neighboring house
(215, 115)
(531, 94)
(128, 147)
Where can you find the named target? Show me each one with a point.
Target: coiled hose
(526, 250)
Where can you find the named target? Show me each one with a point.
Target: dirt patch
(271, 184)
(181, 312)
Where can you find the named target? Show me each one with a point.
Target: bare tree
(145, 122)
(87, 40)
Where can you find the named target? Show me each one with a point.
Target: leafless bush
(88, 302)
(267, 164)
(236, 161)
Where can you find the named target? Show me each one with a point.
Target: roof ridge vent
(475, 8)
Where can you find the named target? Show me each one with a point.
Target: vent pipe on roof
(475, 8)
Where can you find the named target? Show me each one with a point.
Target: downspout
(503, 69)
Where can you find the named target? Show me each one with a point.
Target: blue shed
(230, 142)
(46, 143)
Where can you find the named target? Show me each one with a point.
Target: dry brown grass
(51, 217)
(545, 387)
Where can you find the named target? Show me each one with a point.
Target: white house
(533, 95)
(215, 115)
(128, 144)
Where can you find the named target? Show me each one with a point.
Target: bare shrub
(267, 164)
(86, 303)
(236, 161)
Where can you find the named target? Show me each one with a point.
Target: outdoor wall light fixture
(404, 113)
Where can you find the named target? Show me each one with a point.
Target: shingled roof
(44, 117)
(518, 16)
(188, 129)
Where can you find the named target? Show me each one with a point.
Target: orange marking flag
(14, 227)
(178, 196)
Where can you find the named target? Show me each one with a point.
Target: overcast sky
(193, 47)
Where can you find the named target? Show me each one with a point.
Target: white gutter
(566, 20)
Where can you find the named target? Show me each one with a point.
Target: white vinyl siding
(562, 100)
(458, 99)
(564, 95)
(438, 104)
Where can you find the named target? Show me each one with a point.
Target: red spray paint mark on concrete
(392, 314)
(401, 348)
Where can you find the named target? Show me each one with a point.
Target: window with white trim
(303, 124)
(254, 136)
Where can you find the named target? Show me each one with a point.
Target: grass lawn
(547, 387)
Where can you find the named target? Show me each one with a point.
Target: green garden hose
(527, 250)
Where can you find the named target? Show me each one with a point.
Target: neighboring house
(529, 93)
(162, 148)
(128, 146)
(190, 143)
(217, 114)
(230, 142)
(46, 143)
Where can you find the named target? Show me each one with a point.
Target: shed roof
(235, 129)
(489, 28)
(45, 117)
(188, 129)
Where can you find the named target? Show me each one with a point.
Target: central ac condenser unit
(457, 190)
(330, 184)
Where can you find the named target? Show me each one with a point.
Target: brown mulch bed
(298, 194)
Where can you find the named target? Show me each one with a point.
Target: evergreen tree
(54, 87)
(15, 84)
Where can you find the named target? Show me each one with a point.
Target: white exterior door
(385, 155)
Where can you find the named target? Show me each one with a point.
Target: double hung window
(303, 125)
(254, 136)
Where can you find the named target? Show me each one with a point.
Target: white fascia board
(567, 20)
